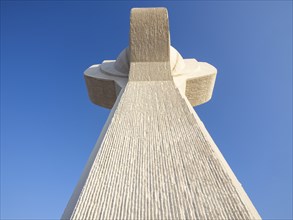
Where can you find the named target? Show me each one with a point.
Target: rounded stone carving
(121, 66)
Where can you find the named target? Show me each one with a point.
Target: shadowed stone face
(154, 158)
(149, 35)
(122, 63)
(149, 45)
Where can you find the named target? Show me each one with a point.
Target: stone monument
(154, 158)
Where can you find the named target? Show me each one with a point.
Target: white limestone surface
(161, 167)
(154, 158)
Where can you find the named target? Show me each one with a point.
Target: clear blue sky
(49, 126)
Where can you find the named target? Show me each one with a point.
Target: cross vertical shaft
(154, 158)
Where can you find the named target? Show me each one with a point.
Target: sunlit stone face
(153, 133)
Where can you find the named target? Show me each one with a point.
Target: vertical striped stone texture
(154, 161)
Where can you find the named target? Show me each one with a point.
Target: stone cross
(150, 58)
(154, 158)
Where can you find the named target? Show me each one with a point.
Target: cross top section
(150, 57)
